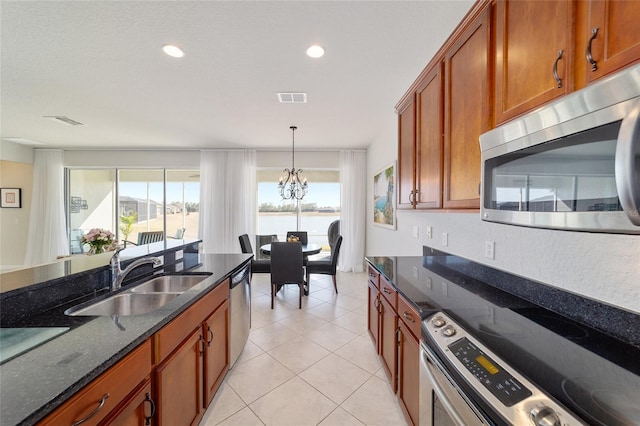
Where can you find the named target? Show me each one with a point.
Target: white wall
(600, 266)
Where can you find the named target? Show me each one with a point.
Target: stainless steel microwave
(573, 164)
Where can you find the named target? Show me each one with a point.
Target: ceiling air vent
(64, 119)
(292, 98)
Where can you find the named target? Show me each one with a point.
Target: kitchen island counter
(41, 379)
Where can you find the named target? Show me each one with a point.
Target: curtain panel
(47, 236)
(353, 191)
(227, 198)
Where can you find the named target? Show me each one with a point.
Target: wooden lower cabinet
(140, 409)
(216, 355)
(179, 383)
(111, 394)
(388, 347)
(408, 373)
(373, 313)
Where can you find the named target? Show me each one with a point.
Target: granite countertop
(38, 381)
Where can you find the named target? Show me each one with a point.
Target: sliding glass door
(130, 201)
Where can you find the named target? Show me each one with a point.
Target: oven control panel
(500, 383)
(513, 396)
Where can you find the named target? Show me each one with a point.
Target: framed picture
(384, 197)
(11, 198)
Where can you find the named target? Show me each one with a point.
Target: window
(313, 214)
(141, 202)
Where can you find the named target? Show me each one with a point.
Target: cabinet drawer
(374, 276)
(410, 317)
(107, 391)
(389, 293)
(167, 339)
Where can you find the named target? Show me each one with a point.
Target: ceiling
(100, 63)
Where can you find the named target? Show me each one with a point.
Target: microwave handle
(627, 164)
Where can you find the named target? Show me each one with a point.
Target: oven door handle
(626, 165)
(427, 359)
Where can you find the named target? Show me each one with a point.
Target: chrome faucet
(118, 275)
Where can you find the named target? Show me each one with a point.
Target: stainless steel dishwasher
(239, 312)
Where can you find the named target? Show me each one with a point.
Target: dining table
(308, 249)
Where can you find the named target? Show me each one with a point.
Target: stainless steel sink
(169, 284)
(125, 304)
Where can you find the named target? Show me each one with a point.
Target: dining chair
(147, 238)
(302, 236)
(261, 266)
(179, 234)
(286, 267)
(326, 267)
(333, 231)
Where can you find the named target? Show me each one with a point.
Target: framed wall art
(384, 197)
(11, 198)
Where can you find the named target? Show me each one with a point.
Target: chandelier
(293, 184)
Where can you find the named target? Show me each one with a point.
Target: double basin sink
(142, 298)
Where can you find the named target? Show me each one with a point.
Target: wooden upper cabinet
(467, 111)
(406, 154)
(529, 38)
(429, 149)
(617, 42)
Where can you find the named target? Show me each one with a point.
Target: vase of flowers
(99, 240)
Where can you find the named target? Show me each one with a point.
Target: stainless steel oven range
(508, 396)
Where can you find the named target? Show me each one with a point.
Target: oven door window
(571, 174)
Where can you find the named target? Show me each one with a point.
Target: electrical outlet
(416, 232)
(415, 272)
(490, 249)
(429, 283)
(429, 232)
(444, 289)
(445, 239)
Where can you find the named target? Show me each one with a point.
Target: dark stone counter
(41, 379)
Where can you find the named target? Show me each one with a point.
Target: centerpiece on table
(293, 239)
(99, 240)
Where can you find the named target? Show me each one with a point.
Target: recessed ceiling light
(173, 51)
(315, 51)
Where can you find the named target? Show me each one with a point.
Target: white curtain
(47, 237)
(353, 191)
(227, 198)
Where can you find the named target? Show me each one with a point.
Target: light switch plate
(445, 239)
(490, 249)
(416, 232)
(429, 232)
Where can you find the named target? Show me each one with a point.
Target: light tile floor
(310, 366)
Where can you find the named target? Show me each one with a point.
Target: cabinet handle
(210, 336)
(201, 340)
(411, 198)
(556, 77)
(398, 343)
(93, 413)
(386, 290)
(594, 64)
(152, 407)
(408, 317)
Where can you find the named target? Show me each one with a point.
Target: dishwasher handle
(240, 277)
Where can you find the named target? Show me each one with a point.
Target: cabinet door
(408, 373)
(466, 112)
(215, 330)
(406, 154)
(179, 383)
(373, 322)
(617, 42)
(529, 37)
(388, 342)
(139, 409)
(429, 149)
